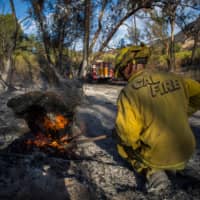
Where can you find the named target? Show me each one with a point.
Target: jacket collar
(134, 75)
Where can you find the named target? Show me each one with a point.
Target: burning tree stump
(50, 117)
(43, 111)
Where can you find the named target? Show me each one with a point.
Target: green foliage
(197, 56)
(157, 61)
(24, 61)
(27, 68)
(108, 57)
(183, 57)
(7, 30)
(177, 47)
(29, 43)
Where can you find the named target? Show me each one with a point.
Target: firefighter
(151, 125)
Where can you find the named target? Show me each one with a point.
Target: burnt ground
(97, 172)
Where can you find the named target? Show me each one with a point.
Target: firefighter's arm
(128, 123)
(193, 88)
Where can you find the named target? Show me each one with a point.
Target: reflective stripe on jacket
(152, 117)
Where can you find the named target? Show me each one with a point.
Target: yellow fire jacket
(152, 118)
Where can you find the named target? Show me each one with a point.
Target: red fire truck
(101, 71)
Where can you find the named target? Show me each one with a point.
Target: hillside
(186, 36)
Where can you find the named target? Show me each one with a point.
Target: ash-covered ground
(99, 173)
(119, 178)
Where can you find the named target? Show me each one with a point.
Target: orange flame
(42, 141)
(56, 122)
(51, 122)
(39, 141)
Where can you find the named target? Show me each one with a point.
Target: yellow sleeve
(193, 89)
(121, 151)
(128, 121)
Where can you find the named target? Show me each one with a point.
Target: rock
(77, 190)
(62, 100)
(49, 101)
(36, 106)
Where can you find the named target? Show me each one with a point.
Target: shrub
(183, 58)
(196, 60)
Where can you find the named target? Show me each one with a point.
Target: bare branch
(99, 25)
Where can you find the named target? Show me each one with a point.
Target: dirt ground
(100, 115)
(102, 174)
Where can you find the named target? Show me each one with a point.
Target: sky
(30, 27)
(21, 8)
(21, 12)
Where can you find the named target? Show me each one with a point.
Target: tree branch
(99, 25)
(114, 30)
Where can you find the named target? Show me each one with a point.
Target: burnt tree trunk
(83, 70)
(6, 77)
(49, 68)
(171, 47)
(196, 39)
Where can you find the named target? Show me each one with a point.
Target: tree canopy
(72, 34)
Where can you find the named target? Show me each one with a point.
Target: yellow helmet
(132, 54)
